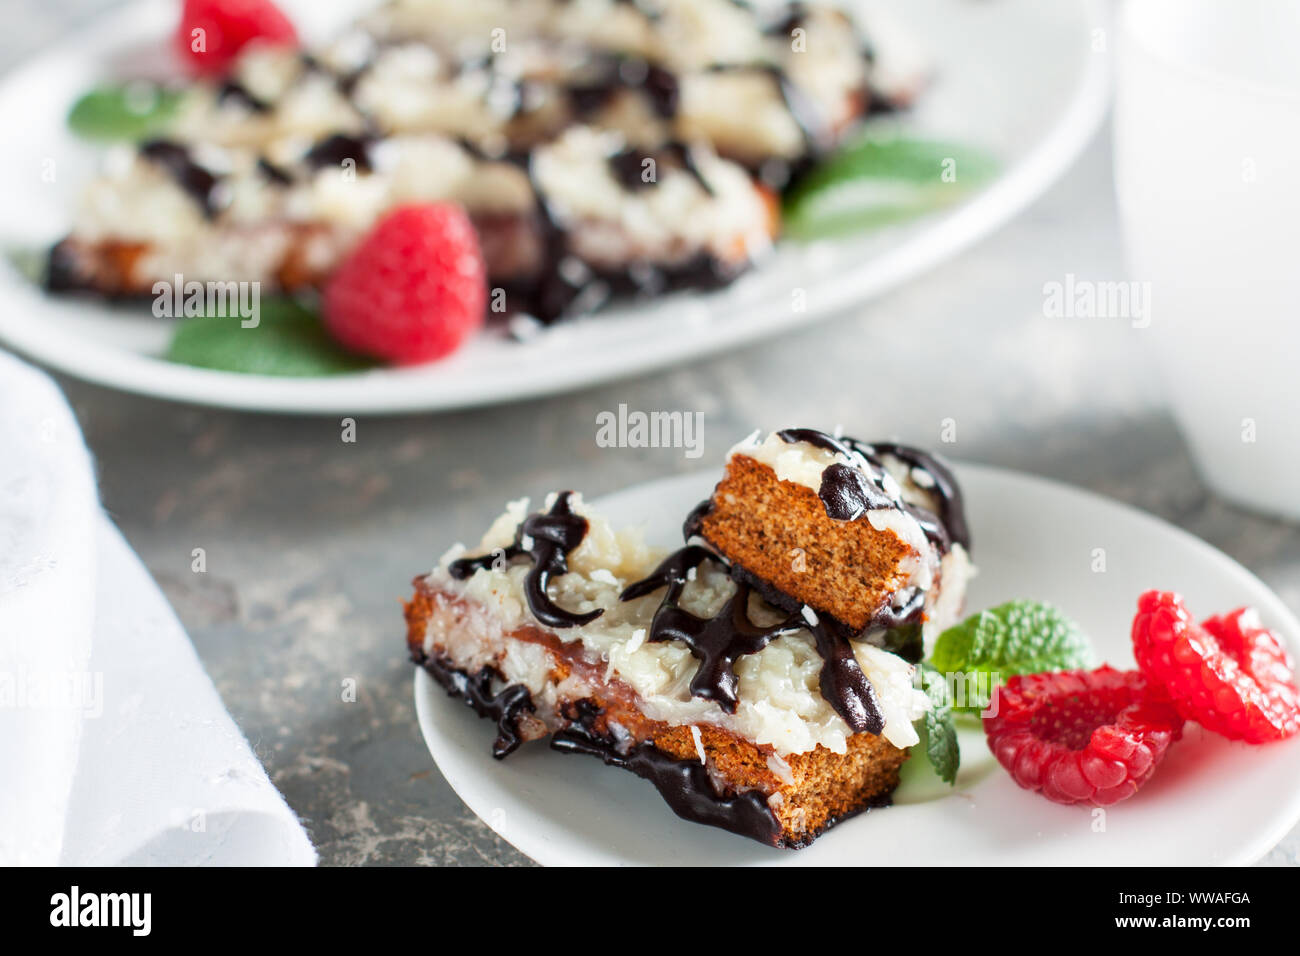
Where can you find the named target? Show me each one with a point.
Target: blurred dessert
(601, 148)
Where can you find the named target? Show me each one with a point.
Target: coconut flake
(780, 768)
(699, 742)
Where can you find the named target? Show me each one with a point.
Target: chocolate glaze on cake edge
(685, 785)
(475, 690)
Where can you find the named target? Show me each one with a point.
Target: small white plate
(1210, 802)
(1019, 78)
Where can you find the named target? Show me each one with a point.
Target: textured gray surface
(310, 541)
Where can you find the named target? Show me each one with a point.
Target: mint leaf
(289, 340)
(875, 182)
(28, 262)
(905, 641)
(1019, 637)
(940, 732)
(130, 111)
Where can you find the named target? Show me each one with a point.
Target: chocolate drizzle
(694, 520)
(849, 491)
(346, 82)
(817, 439)
(792, 15)
(612, 73)
(232, 91)
(684, 784)
(718, 641)
(952, 510)
(715, 642)
(885, 629)
(566, 284)
(682, 153)
(812, 125)
(504, 707)
(841, 680)
(175, 160)
(273, 173)
(848, 494)
(628, 167)
(337, 148)
(546, 539)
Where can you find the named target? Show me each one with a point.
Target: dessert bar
(769, 705)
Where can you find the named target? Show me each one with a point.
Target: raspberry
(212, 32)
(414, 288)
(1080, 736)
(1229, 673)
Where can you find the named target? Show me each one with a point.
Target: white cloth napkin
(114, 745)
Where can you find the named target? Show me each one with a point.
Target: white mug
(1207, 172)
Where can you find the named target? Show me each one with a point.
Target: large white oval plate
(1019, 78)
(1210, 802)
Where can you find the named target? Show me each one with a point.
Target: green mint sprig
(940, 730)
(289, 339)
(1018, 637)
(124, 112)
(875, 181)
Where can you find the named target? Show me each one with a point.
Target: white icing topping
(656, 222)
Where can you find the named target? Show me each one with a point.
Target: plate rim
(384, 392)
(1280, 615)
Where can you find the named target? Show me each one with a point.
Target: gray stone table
(311, 541)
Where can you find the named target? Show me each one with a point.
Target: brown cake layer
(123, 268)
(307, 253)
(779, 532)
(737, 789)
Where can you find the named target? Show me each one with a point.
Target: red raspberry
(414, 288)
(1080, 736)
(1229, 673)
(226, 26)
